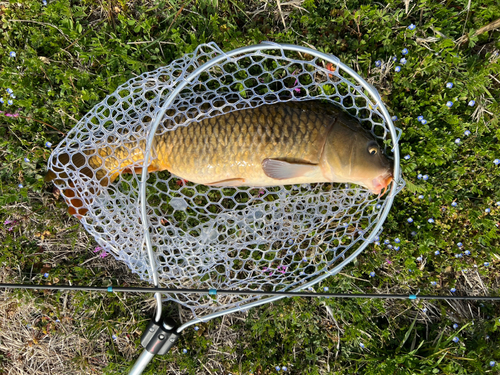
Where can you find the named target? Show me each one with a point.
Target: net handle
(183, 82)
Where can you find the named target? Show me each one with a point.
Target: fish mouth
(382, 182)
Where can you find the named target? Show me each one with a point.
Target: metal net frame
(177, 234)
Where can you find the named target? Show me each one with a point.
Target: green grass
(70, 55)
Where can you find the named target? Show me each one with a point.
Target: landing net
(267, 239)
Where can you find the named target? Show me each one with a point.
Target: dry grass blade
(57, 348)
(489, 27)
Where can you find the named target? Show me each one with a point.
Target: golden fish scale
(233, 145)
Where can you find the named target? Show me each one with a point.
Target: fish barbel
(279, 144)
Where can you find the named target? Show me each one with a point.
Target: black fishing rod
(214, 292)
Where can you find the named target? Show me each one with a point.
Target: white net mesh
(273, 238)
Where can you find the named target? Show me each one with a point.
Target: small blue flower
(57, 320)
(496, 161)
(10, 102)
(1, 100)
(362, 345)
(397, 240)
(404, 51)
(433, 283)
(419, 259)
(184, 351)
(410, 220)
(487, 210)
(455, 326)
(424, 310)
(45, 275)
(196, 328)
(431, 220)
(486, 264)
(398, 68)
(378, 63)
(456, 339)
(326, 289)
(12, 96)
(457, 141)
(454, 204)
(377, 238)
(12, 54)
(20, 186)
(407, 157)
(419, 176)
(304, 259)
(389, 247)
(278, 368)
(9, 91)
(387, 242)
(467, 252)
(498, 204)
(372, 274)
(378, 206)
(396, 248)
(413, 233)
(437, 252)
(394, 118)
(377, 243)
(467, 132)
(26, 160)
(492, 363)
(459, 255)
(472, 103)
(420, 118)
(425, 177)
(487, 337)
(420, 196)
(394, 58)
(449, 104)
(403, 61)
(44, 2)
(412, 27)
(114, 337)
(453, 290)
(449, 85)
(48, 144)
(460, 244)
(284, 368)
(424, 121)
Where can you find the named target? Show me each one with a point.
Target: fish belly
(231, 147)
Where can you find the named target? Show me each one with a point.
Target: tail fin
(74, 196)
(101, 167)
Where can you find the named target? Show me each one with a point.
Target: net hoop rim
(182, 83)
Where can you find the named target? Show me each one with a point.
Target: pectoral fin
(230, 182)
(282, 170)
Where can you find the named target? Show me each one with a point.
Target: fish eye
(372, 150)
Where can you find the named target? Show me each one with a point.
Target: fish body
(279, 144)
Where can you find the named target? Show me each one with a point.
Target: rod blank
(111, 289)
